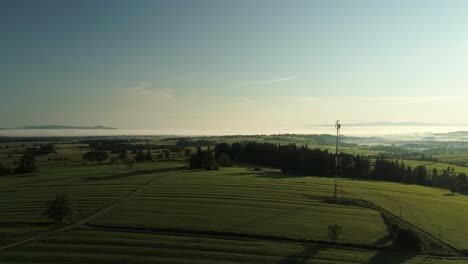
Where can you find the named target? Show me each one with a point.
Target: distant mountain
(453, 134)
(63, 127)
(385, 123)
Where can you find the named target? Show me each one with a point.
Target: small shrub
(463, 189)
(26, 164)
(407, 240)
(130, 163)
(334, 232)
(224, 161)
(393, 230)
(187, 152)
(96, 156)
(59, 208)
(123, 155)
(203, 159)
(4, 170)
(167, 154)
(453, 188)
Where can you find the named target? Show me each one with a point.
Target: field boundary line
(383, 210)
(250, 237)
(90, 217)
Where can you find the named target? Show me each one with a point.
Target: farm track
(248, 237)
(83, 225)
(416, 228)
(89, 217)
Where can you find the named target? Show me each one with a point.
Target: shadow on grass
(49, 180)
(280, 175)
(383, 241)
(28, 224)
(130, 174)
(19, 175)
(266, 175)
(90, 164)
(302, 256)
(448, 194)
(266, 218)
(383, 257)
(380, 239)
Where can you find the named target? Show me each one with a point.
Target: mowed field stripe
(88, 218)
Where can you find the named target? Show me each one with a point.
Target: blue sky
(232, 64)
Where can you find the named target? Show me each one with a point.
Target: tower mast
(337, 159)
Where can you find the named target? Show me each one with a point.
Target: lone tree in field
(149, 156)
(130, 163)
(407, 240)
(453, 188)
(167, 154)
(187, 152)
(140, 156)
(26, 164)
(4, 170)
(123, 155)
(334, 232)
(59, 208)
(96, 156)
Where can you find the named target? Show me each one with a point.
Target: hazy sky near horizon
(232, 64)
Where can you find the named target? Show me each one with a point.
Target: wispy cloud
(416, 99)
(248, 100)
(307, 99)
(145, 95)
(380, 99)
(265, 82)
(148, 90)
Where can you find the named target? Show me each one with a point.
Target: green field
(461, 159)
(438, 165)
(236, 200)
(233, 215)
(84, 246)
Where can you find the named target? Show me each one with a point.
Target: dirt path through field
(254, 237)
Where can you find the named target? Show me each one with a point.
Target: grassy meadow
(233, 215)
(89, 246)
(240, 201)
(437, 165)
(455, 158)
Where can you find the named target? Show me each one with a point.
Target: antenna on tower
(337, 159)
(337, 126)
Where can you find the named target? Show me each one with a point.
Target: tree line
(26, 164)
(294, 159)
(124, 145)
